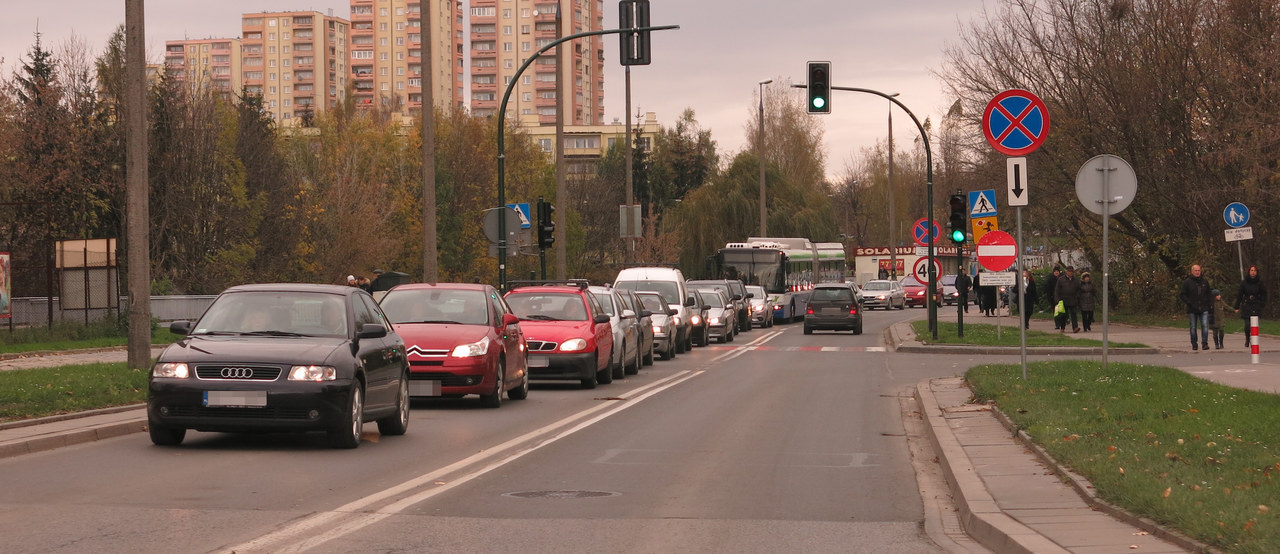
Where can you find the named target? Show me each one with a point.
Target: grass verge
(32, 393)
(1188, 453)
(982, 334)
(45, 340)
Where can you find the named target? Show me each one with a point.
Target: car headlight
(573, 345)
(676, 319)
(313, 373)
(695, 320)
(170, 370)
(714, 321)
(658, 329)
(478, 348)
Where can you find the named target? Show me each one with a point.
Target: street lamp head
(766, 81)
(894, 95)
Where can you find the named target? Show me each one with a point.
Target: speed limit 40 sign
(921, 269)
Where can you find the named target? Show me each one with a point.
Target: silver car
(761, 308)
(664, 324)
(721, 317)
(644, 323)
(884, 294)
(626, 332)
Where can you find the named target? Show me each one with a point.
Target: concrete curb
(1085, 489)
(979, 515)
(67, 416)
(899, 334)
(43, 353)
(58, 438)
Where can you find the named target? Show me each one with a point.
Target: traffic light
(819, 87)
(546, 224)
(959, 215)
(634, 14)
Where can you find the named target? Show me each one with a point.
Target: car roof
(294, 287)
(449, 286)
(547, 288)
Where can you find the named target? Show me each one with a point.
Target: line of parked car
(300, 357)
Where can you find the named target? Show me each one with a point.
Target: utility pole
(137, 212)
(562, 189)
(430, 252)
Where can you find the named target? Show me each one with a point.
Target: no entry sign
(1015, 122)
(997, 251)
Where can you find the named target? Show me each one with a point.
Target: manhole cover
(561, 494)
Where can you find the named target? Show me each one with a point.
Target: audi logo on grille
(237, 373)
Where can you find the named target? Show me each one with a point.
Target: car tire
(164, 435)
(346, 434)
(648, 358)
(635, 367)
(396, 424)
(619, 370)
(494, 400)
(521, 392)
(858, 330)
(605, 376)
(808, 330)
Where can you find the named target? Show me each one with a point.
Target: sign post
(1105, 185)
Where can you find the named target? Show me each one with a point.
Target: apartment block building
(212, 63)
(296, 61)
(505, 33)
(387, 48)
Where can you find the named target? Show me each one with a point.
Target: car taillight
(853, 310)
(809, 310)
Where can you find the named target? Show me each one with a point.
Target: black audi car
(282, 357)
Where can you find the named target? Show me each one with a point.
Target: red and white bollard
(1253, 337)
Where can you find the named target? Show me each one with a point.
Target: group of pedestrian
(361, 282)
(1207, 309)
(1074, 299)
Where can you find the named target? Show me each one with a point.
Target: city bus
(787, 268)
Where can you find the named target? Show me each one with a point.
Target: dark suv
(834, 306)
(736, 291)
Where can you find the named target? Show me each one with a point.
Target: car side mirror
(689, 302)
(628, 314)
(645, 313)
(706, 306)
(601, 318)
(671, 312)
(509, 319)
(751, 295)
(180, 327)
(372, 331)
(738, 297)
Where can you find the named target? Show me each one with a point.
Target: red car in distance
(461, 339)
(916, 291)
(568, 332)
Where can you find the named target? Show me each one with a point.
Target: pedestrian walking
(962, 288)
(1030, 301)
(1250, 299)
(1218, 319)
(1067, 291)
(1195, 294)
(1088, 297)
(1050, 291)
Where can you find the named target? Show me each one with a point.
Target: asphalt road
(776, 442)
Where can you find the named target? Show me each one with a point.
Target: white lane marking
(291, 538)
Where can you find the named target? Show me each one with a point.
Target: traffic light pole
(928, 157)
(502, 115)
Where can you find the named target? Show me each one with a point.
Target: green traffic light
(819, 102)
(957, 236)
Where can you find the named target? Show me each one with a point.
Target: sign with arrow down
(1018, 192)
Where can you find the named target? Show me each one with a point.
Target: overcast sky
(712, 64)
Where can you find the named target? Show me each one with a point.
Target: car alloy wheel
(396, 424)
(347, 433)
(495, 400)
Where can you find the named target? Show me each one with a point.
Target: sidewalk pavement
(1010, 495)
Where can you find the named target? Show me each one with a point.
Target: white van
(669, 282)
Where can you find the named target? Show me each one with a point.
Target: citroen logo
(237, 373)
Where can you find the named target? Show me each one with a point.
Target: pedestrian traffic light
(819, 87)
(546, 224)
(959, 215)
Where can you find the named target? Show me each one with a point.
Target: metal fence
(30, 311)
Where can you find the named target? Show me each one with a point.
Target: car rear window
(833, 294)
(668, 289)
(712, 299)
(876, 285)
(653, 303)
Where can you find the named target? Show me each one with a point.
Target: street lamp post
(760, 158)
(893, 243)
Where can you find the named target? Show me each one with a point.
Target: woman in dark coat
(1088, 296)
(1250, 299)
(1030, 300)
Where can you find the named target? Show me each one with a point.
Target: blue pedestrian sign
(522, 209)
(982, 203)
(1236, 214)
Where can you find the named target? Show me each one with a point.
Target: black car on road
(282, 357)
(834, 306)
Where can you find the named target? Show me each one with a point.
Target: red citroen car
(462, 339)
(569, 333)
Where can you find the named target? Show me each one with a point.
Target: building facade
(505, 33)
(388, 41)
(212, 63)
(296, 61)
(585, 145)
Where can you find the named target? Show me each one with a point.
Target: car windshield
(653, 303)
(606, 302)
(832, 294)
(949, 280)
(275, 314)
(465, 307)
(910, 281)
(712, 299)
(876, 285)
(549, 306)
(668, 289)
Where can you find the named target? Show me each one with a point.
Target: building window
(271, 22)
(507, 47)
(545, 144)
(506, 14)
(506, 30)
(482, 12)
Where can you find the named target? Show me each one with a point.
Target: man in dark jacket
(1067, 291)
(1195, 294)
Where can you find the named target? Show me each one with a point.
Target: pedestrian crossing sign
(982, 203)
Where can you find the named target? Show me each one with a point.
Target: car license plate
(833, 311)
(235, 398)
(539, 361)
(424, 388)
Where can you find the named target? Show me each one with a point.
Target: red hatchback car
(461, 338)
(568, 332)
